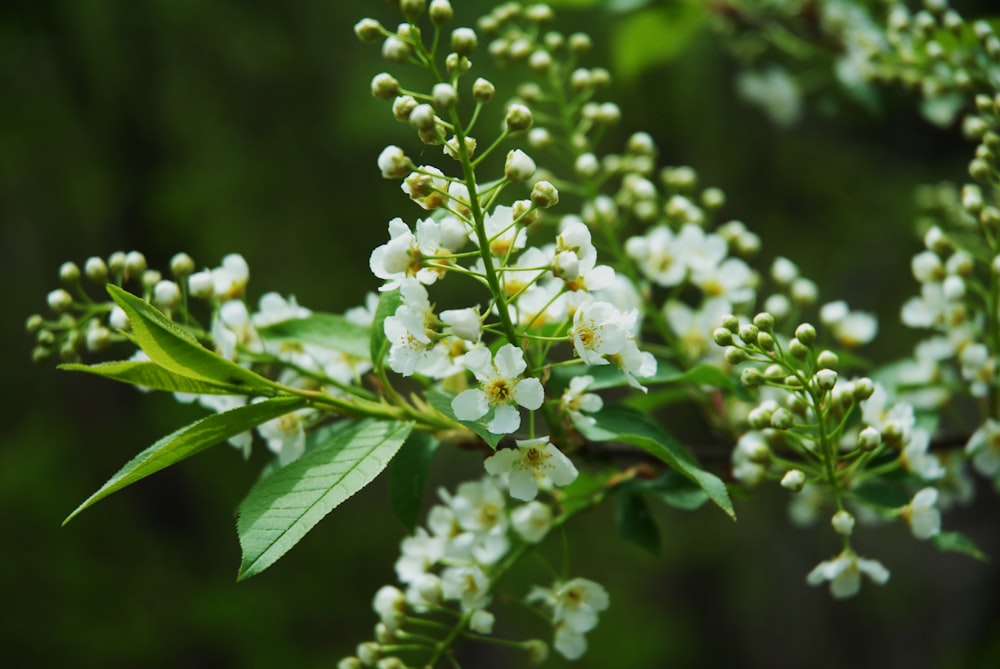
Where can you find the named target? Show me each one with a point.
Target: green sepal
(190, 440)
(959, 543)
(281, 509)
(388, 302)
(329, 331)
(441, 401)
(635, 522)
(151, 375)
(622, 424)
(408, 476)
(176, 350)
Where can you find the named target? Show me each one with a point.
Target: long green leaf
(619, 423)
(282, 508)
(635, 522)
(176, 350)
(331, 331)
(388, 302)
(150, 375)
(191, 440)
(408, 477)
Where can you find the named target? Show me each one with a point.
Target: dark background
(170, 125)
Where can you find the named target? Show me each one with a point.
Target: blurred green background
(170, 125)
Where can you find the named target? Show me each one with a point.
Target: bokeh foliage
(247, 126)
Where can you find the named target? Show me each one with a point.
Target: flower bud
(580, 43)
(116, 262)
(96, 270)
(765, 341)
(843, 523)
(764, 321)
(135, 264)
(751, 376)
(587, 165)
(540, 61)
(166, 295)
(444, 96)
(536, 650)
(402, 107)
(827, 360)
(722, 337)
(794, 480)
(731, 323)
(806, 334)
(518, 117)
(69, 273)
(412, 9)
(34, 323)
(863, 389)
(781, 419)
(464, 41)
(797, 349)
(825, 379)
(59, 300)
(869, 438)
(483, 90)
(519, 166)
(804, 292)
(181, 266)
(748, 333)
(440, 12)
(369, 30)
(395, 50)
(544, 194)
(734, 355)
(385, 86)
(150, 278)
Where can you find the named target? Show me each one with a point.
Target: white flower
(233, 329)
(575, 400)
(657, 257)
(229, 281)
(984, 448)
(479, 506)
(503, 235)
(413, 346)
(844, 574)
(533, 460)
(599, 330)
(916, 458)
(273, 308)
(571, 644)
(418, 554)
(694, 327)
(286, 435)
(575, 260)
(501, 387)
(482, 621)
(465, 323)
(426, 186)
(578, 603)
(750, 452)
(532, 521)
(922, 515)
(467, 585)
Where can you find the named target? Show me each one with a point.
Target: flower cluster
(449, 570)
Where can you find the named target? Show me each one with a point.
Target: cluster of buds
(81, 323)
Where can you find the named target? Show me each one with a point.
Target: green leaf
(959, 543)
(176, 350)
(622, 424)
(330, 331)
(388, 302)
(675, 490)
(408, 477)
(441, 401)
(151, 375)
(191, 440)
(281, 509)
(635, 522)
(655, 36)
(702, 375)
(882, 493)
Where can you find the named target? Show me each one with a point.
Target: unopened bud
(794, 480)
(843, 523)
(483, 90)
(519, 118)
(59, 300)
(69, 273)
(544, 194)
(464, 41)
(369, 30)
